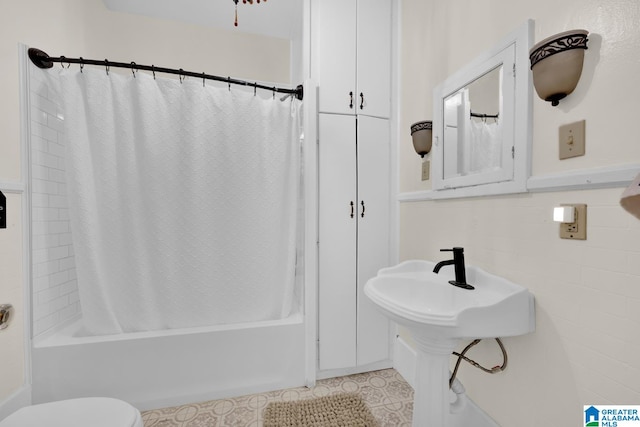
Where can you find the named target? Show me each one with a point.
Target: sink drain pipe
(458, 405)
(456, 386)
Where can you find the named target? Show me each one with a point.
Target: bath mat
(345, 409)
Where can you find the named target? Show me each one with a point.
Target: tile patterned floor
(386, 393)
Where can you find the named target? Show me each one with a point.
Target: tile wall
(55, 288)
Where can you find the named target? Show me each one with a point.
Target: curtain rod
(42, 60)
(485, 116)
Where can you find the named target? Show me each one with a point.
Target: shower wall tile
(54, 284)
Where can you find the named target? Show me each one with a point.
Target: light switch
(425, 170)
(572, 140)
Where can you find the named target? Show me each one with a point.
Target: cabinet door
(336, 58)
(373, 233)
(337, 242)
(374, 57)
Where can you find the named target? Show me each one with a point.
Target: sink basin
(412, 295)
(439, 315)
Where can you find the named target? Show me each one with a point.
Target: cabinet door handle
(352, 209)
(351, 99)
(361, 100)
(362, 203)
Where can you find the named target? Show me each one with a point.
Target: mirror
(482, 123)
(472, 128)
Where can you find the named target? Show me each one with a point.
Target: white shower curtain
(486, 146)
(183, 201)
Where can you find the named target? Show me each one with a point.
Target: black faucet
(458, 263)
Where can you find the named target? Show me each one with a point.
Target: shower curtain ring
(181, 75)
(255, 88)
(106, 66)
(274, 92)
(203, 78)
(81, 64)
(153, 70)
(229, 83)
(133, 69)
(62, 59)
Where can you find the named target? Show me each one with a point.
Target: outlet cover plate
(571, 140)
(575, 230)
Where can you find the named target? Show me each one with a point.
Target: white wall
(585, 349)
(86, 28)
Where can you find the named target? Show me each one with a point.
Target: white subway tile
(40, 283)
(40, 200)
(65, 238)
(58, 278)
(56, 149)
(55, 123)
(58, 253)
(38, 115)
(44, 104)
(43, 131)
(47, 295)
(58, 201)
(68, 287)
(43, 325)
(67, 263)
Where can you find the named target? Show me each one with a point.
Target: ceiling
(275, 18)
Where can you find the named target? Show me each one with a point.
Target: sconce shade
(556, 63)
(421, 135)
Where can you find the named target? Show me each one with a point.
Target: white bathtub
(172, 367)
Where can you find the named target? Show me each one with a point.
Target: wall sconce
(556, 63)
(421, 135)
(630, 199)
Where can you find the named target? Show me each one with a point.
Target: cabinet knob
(361, 100)
(350, 99)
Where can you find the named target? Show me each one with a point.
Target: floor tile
(385, 392)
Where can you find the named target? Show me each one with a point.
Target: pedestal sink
(439, 315)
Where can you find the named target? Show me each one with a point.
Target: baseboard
(333, 373)
(404, 361)
(19, 399)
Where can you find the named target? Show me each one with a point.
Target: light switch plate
(571, 140)
(575, 230)
(426, 170)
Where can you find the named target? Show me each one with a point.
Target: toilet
(91, 411)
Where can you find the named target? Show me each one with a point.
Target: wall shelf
(584, 179)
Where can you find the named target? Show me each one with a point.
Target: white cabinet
(353, 40)
(354, 206)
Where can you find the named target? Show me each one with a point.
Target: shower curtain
(486, 146)
(182, 201)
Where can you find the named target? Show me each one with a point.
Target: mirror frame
(516, 116)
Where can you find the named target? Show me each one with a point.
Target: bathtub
(172, 367)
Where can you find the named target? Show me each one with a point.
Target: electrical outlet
(571, 140)
(426, 170)
(575, 230)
